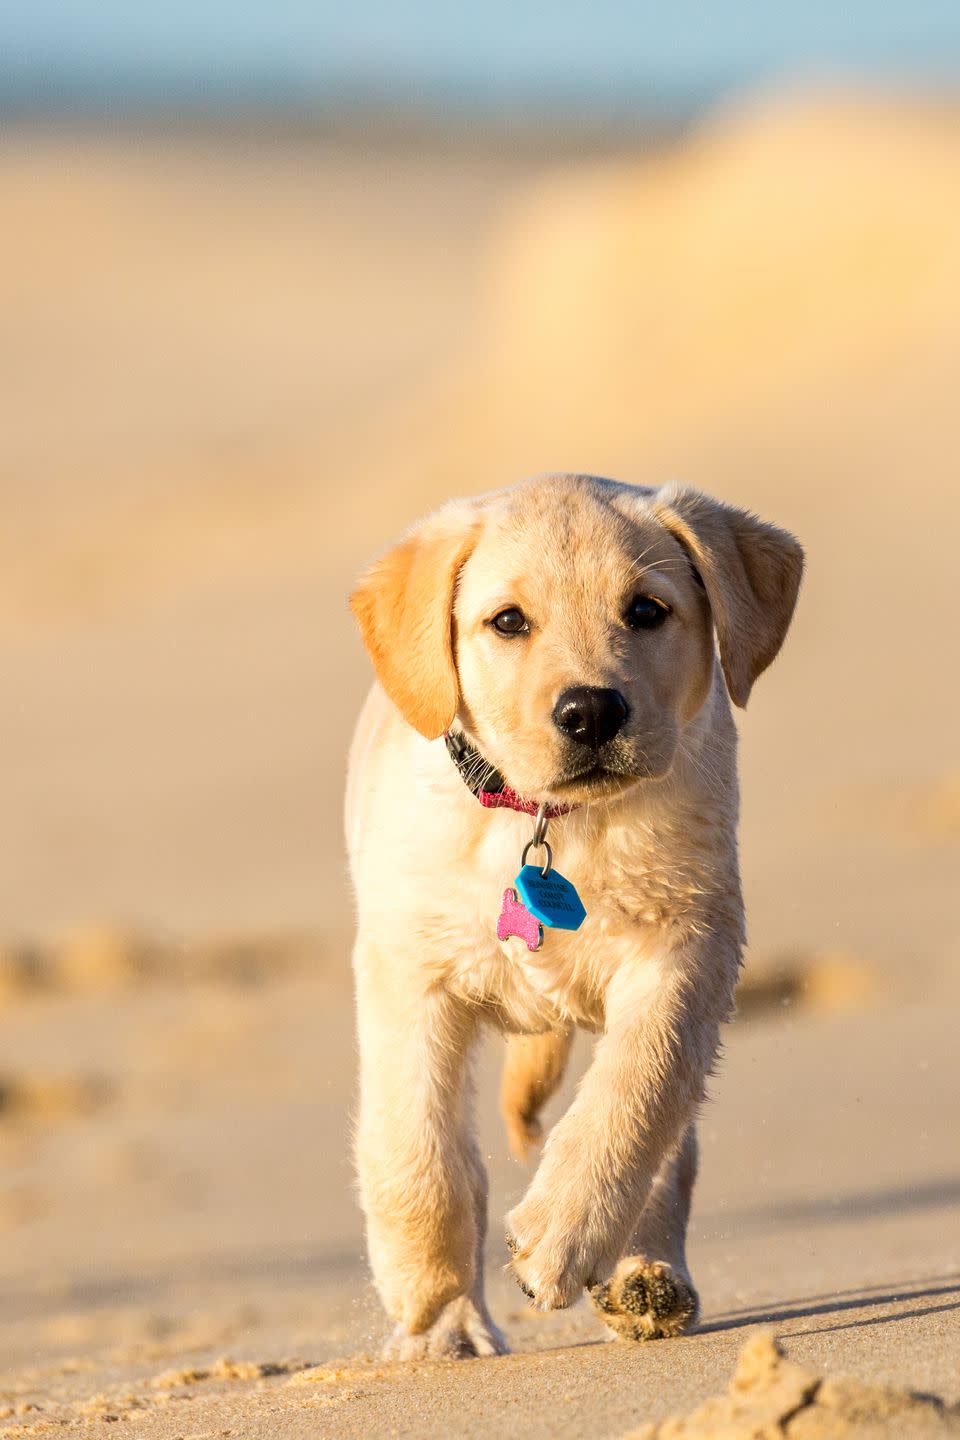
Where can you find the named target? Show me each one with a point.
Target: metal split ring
(536, 844)
(540, 826)
(539, 841)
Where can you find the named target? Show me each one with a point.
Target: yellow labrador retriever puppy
(547, 656)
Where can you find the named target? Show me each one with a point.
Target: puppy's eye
(645, 613)
(510, 622)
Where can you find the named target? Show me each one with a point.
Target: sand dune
(789, 252)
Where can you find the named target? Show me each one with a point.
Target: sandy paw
(462, 1331)
(645, 1300)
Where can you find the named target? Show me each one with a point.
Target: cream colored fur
(651, 849)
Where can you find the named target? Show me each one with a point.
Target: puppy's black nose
(589, 715)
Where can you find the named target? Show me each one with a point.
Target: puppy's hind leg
(532, 1071)
(650, 1294)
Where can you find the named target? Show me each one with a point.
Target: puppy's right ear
(404, 607)
(751, 572)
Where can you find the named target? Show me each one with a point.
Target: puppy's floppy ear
(751, 572)
(404, 607)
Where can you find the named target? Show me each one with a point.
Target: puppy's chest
(644, 888)
(565, 980)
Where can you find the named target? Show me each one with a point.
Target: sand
(234, 369)
(771, 1395)
(186, 1252)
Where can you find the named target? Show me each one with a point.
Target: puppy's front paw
(462, 1331)
(551, 1260)
(645, 1300)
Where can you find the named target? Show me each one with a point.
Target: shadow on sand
(842, 1302)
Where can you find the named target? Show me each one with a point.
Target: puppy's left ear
(751, 572)
(404, 607)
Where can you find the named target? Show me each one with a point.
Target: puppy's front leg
(634, 1103)
(421, 1178)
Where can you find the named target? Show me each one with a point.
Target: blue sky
(591, 51)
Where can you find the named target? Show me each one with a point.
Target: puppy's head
(568, 625)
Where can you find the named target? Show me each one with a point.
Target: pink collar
(509, 799)
(485, 781)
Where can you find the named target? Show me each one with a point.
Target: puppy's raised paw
(645, 1300)
(550, 1275)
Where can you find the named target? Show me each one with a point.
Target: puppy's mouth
(613, 771)
(593, 781)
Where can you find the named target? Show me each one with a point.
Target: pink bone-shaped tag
(515, 919)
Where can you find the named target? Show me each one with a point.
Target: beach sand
(234, 368)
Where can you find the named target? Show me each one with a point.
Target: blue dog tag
(550, 898)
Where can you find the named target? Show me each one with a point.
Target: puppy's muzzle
(590, 715)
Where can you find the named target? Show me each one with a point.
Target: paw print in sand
(645, 1300)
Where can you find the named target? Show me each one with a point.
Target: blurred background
(276, 279)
